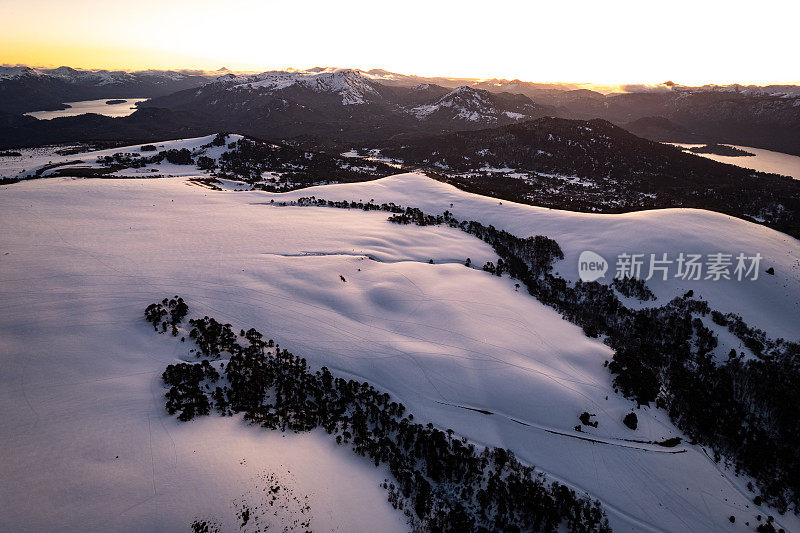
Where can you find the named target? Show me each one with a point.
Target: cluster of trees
(391, 207)
(249, 159)
(167, 314)
(754, 339)
(182, 156)
(121, 160)
(633, 288)
(441, 482)
(186, 393)
(220, 139)
(631, 420)
(211, 337)
(746, 411)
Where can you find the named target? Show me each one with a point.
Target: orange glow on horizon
(589, 43)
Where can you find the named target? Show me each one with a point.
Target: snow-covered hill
(228, 160)
(47, 161)
(656, 231)
(89, 446)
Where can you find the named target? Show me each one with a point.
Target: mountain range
(351, 105)
(346, 104)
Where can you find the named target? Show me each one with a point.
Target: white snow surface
(81, 383)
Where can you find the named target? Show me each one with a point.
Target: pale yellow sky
(689, 42)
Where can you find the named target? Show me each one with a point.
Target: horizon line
(207, 71)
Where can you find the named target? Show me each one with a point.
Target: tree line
(747, 411)
(439, 481)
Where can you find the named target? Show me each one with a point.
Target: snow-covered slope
(223, 160)
(44, 161)
(90, 447)
(771, 303)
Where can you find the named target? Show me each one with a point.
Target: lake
(763, 161)
(91, 106)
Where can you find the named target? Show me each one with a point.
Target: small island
(719, 149)
(112, 102)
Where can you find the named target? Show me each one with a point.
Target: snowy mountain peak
(467, 97)
(351, 84)
(468, 104)
(466, 89)
(7, 73)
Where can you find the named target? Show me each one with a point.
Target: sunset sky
(689, 42)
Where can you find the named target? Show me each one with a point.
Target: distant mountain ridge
(343, 103)
(24, 89)
(354, 105)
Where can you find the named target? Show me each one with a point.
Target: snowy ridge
(95, 76)
(10, 73)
